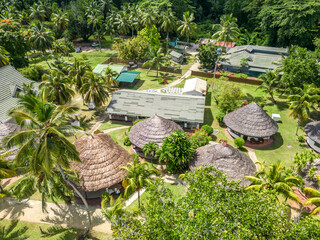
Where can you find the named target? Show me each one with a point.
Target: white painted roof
(195, 84)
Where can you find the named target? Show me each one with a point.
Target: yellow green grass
(109, 125)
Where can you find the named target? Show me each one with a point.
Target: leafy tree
(43, 146)
(200, 138)
(187, 25)
(274, 177)
(156, 60)
(150, 149)
(270, 83)
(55, 87)
(176, 150)
(41, 38)
(138, 176)
(152, 36)
(4, 59)
(303, 101)
(168, 23)
(94, 89)
(227, 96)
(207, 54)
(208, 129)
(131, 49)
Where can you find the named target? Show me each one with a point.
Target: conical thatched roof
(101, 159)
(229, 160)
(313, 131)
(154, 129)
(251, 120)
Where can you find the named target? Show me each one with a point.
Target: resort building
(129, 105)
(227, 45)
(251, 123)
(225, 158)
(11, 82)
(195, 87)
(259, 59)
(313, 131)
(99, 169)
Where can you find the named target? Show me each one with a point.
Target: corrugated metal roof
(175, 54)
(195, 84)
(10, 79)
(128, 77)
(115, 67)
(147, 104)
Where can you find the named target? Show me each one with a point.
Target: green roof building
(128, 77)
(259, 59)
(115, 67)
(11, 82)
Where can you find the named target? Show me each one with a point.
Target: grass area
(190, 61)
(106, 42)
(10, 229)
(178, 190)
(286, 144)
(109, 125)
(150, 80)
(118, 136)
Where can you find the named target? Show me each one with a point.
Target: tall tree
(37, 12)
(137, 176)
(95, 19)
(148, 20)
(110, 77)
(76, 72)
(105, 6)
(122, 22)
(187, 25)
(156, 60)
(302, 101)
(60, 21)
(41, 38)
(270, 83)
(168, 23)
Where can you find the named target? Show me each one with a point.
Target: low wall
(249, 80)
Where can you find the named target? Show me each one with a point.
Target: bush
(208, 129)
(131, 49)
(200, 138)
(33, 72)
(219, 117)
(126, 141)
(227, 96)
(300, 138)
(239, 142)
(160, 81)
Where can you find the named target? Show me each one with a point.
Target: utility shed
(195, 87)
(115, 67)
(177, 57)
(129, 77)
(130, 105)
(11, 82)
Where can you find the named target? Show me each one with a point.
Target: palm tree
(76, 72)
(110, 77)
(226, 31)
(156, 60)
(94, 89)
(95, 19)
(302, 101)
(274, 177)
(4, 59)
(106, 6)
(315, 197)
(6, 168)
(116, 207)
(137, 176)
(122, 22)
(270, 83)
(41, 38)
(55, 87)
(43, 146)
(60, 21)
(187, 26)
(168, 23)
(150, 149)
(37, 12)
(148, 20)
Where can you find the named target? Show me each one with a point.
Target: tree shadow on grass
(278, 142)
(208, 99)
(208, 116)
(60, 232)
(12, 208)
(13, 232)
(138, 85)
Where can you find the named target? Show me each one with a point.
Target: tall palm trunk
(298, 126)
(167, 38)
(80, 195)
(98, 38)
(44, 55)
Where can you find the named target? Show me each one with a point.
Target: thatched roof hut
(313, 131)
(251, 120)
(154, 129)
(101, 159)
(227, 159)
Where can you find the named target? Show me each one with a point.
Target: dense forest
(265, 22)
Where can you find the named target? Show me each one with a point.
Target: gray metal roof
(10, 80)
(175, 54)
(147, 104)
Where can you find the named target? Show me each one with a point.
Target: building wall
(193, 93)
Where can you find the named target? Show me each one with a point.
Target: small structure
(115, 67)
(130, 105)
(177, 57)
(11, 82)
(259, 59)
(195, 87)
(313, 131)
(128, 78)
(101, 158)
(251, 123)
(225, 158)
(276, 117)
(227, 45)
(154, 129)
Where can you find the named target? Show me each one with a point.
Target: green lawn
(150, 80)
(109, 124)
(118, 136)
(106, 42)
(178, 190)
(286, 144)
(190, 61)
(18, 230)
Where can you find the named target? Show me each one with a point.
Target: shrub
(126, 141)
(239, 142)
(300, 138)
(132, 48)
(105, 198)
(208, 129)
(227, 96)
(160, 81)
(200, 138)
(219, 117)
(34, 72)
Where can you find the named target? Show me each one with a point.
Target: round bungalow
(313, 131)
(99, 169)
(227, 159)
(251, 123)
(154, 129)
